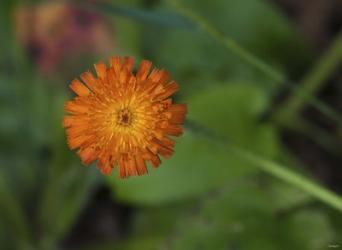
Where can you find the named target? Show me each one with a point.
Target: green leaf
(308, 230)
(233, 110)
(159, 220)
(236, 217)
(285, 197)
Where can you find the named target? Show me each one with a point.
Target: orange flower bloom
(123, 118)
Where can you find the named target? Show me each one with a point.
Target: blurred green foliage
(203, 197)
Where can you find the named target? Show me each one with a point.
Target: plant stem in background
(275, 169)
(314, 80)
(229, 43)
(234, 47)
(322, 137)
(291, 177)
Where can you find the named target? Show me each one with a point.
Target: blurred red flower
(52, 32)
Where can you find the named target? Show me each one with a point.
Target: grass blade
(275, 169)
(329, 62)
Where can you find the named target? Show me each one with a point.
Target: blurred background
(205, 196)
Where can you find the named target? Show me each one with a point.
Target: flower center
(124, 117)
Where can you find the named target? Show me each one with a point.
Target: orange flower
(123, 118)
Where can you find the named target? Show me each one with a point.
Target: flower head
(123, 118)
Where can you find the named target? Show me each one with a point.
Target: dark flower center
(124, 117)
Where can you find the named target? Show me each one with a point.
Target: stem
(285, 174)
(275, 169)
(313, 81)
(251, 59)
(229, 43)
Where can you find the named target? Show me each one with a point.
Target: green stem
(251, 59)
(291, 177)
(314, 80)
(229, 43)
(275, 169)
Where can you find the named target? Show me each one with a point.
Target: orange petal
(128, 63)
(107, 170)
(122, 167)
(115, 63)
(75, 107)
(163, 149)
(143, 70)
(178, 112)
(111, 77)
(178, 108)
(164, 77)
(69, 120)
(159, 76)
(87, 155)
(173, 130)
(90, 81)
(104, 164)
(131, 166)
(166, 103)
(124, 75)
(79, 130)
(155, 160)
(141, 165)
(79, 88)
(168, 142)
(101, 69)
(155, 75)
(169, 89)
(153, 147)
(78, 141)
